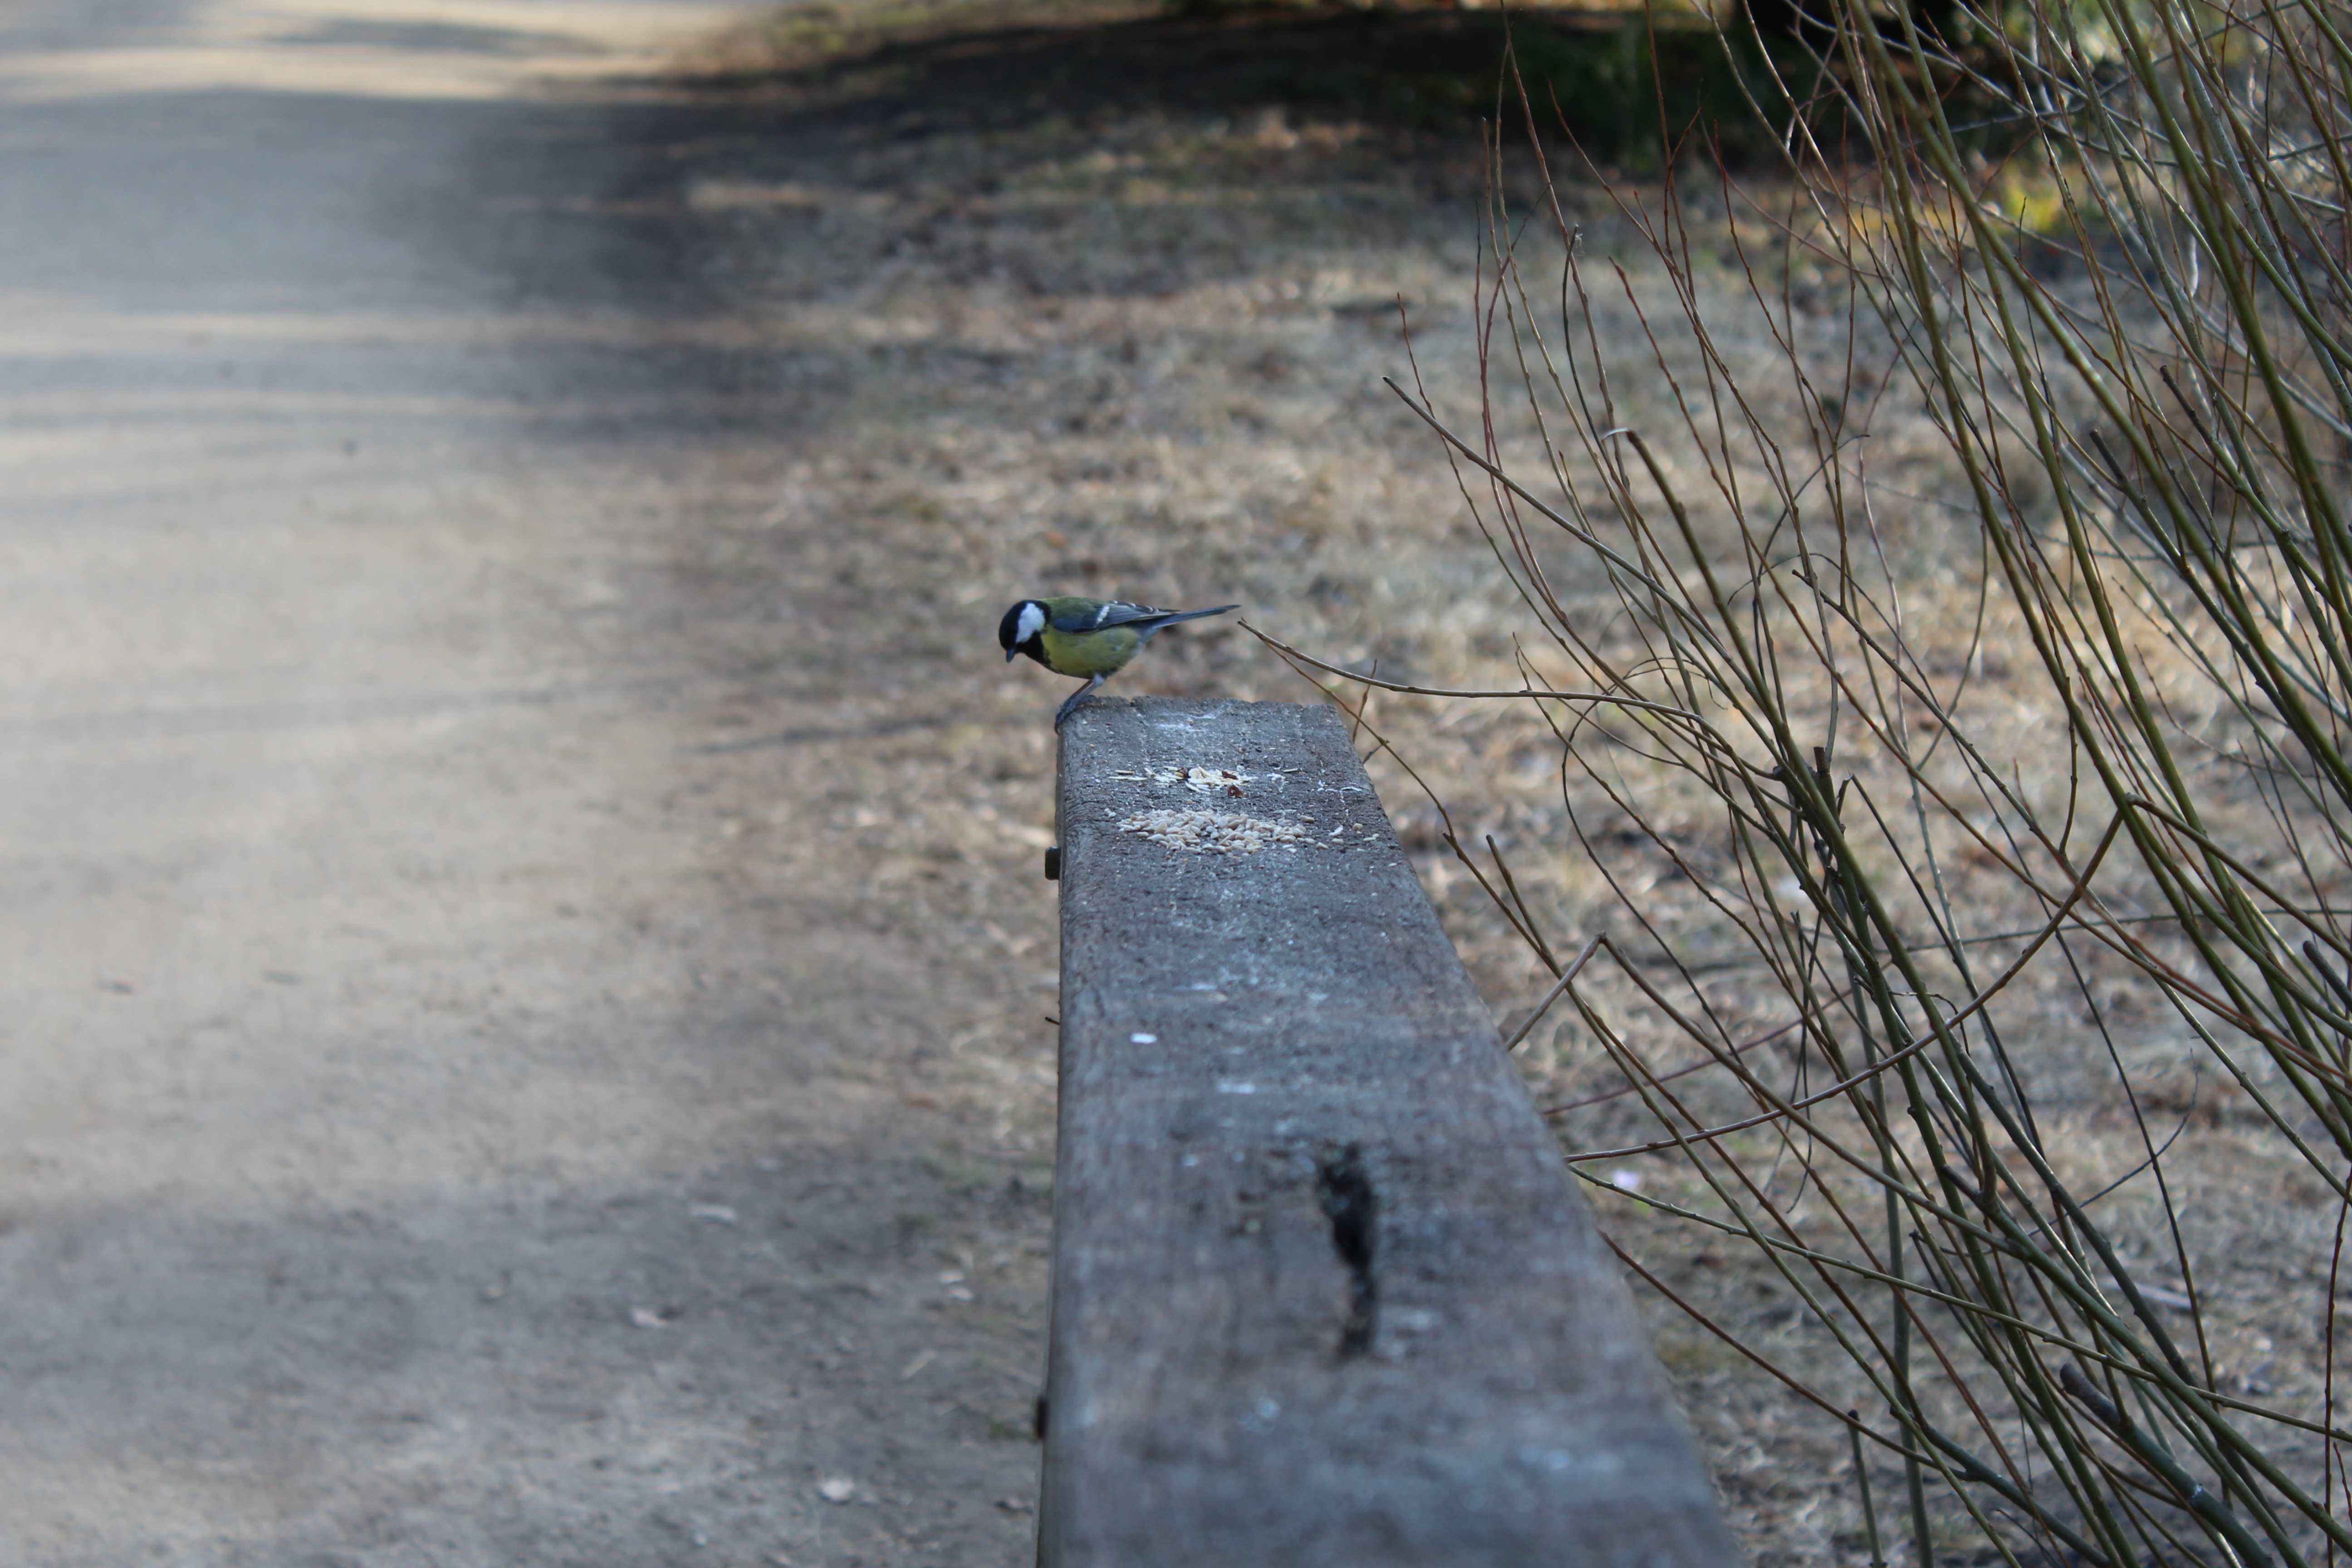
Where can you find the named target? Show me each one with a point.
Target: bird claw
(1070, 703)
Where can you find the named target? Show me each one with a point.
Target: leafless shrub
(1951, 805)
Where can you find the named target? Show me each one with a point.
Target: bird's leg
(1074, 697)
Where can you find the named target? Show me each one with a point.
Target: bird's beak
(1009, 653)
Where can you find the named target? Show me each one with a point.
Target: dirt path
(523, 972)
(523, 1018)
(461, 1039)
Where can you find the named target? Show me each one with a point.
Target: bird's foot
(1070, 703)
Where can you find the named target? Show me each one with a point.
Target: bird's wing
(1102, 617)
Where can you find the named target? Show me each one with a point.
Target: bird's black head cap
(1022, 630)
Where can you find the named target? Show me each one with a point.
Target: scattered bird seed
(1211, 832)
(1200, 781)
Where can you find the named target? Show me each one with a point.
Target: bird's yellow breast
(1085, 654)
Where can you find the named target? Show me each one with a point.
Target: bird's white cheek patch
(1032, 622)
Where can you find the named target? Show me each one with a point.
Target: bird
(1089, 639)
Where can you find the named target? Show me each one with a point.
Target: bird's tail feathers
(1196, 615)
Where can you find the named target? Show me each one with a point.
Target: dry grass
(1131, 341)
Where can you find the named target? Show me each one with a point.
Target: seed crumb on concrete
(1199, 780)
(1211, 832)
